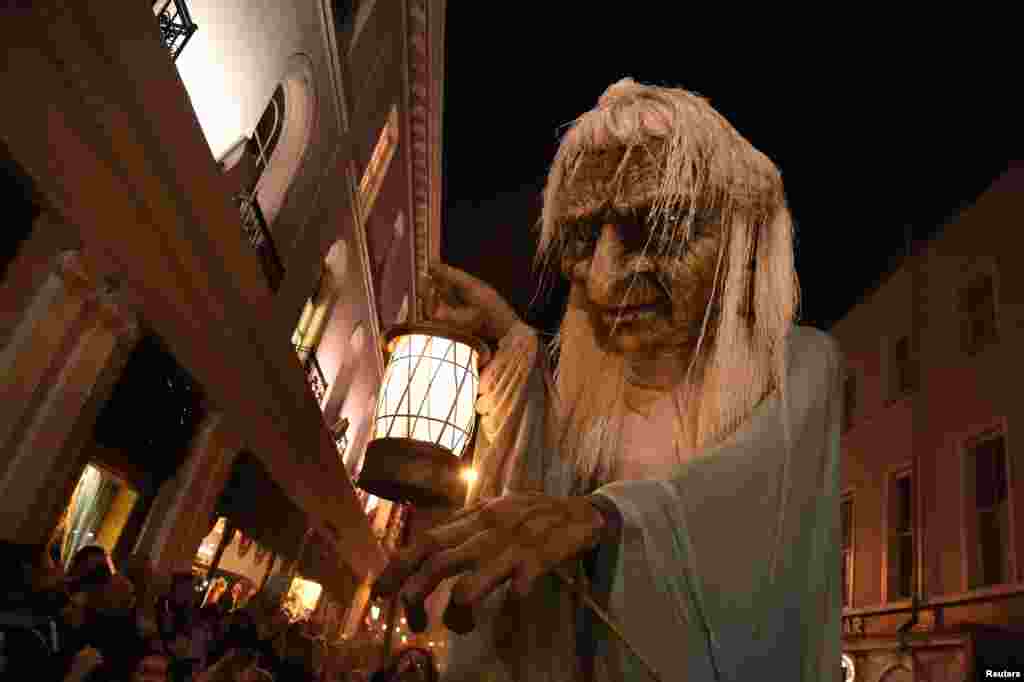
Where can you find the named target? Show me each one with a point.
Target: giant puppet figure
(682, 459)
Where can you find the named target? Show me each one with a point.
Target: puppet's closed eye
(583, 238)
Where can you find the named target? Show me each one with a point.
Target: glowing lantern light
(425, 416)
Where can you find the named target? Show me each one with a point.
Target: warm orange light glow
(469, 475)
(306, 592)
(429, 392)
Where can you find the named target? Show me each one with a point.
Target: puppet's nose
(611, 263)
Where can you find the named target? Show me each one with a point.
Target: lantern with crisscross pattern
(425, 416)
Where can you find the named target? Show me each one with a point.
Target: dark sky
(874, 130)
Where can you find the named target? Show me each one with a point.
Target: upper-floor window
(901, 566)
(978, 313)
(21, 214)
(376, 169)
(987, 510)
(846, 516)
(344, 10)
(903, 369)
(403, 311)
(849, 400)
(268, 132)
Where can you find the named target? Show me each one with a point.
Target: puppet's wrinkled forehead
(613, 179)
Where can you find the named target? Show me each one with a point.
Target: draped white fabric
(728, 566)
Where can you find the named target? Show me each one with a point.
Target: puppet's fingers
(472, 588)
(404, 564)
(447, 564)
(435, 541)
(459, 619)
(541, 561)
(464, 317)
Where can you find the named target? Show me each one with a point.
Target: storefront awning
(259, 508)
(320, 563)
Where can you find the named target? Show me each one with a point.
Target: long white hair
(696, 162)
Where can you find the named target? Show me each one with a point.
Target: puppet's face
(642, 292)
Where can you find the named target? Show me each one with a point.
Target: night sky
(874, 131)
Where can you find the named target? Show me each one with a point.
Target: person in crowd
(152, 666)
(271, 625)
(239, 632)
(103, 619)
(177, 622)
(217, 589)
(412, 664)
(91, 560)
(238, 591)
(139, 570)
(297, 656)
(31, 601)
(238, 665)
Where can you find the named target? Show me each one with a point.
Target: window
(849, 400)
(21, 211)
(988, 517)
(901, 571)
(377, 168)
(903, 374)
(846, 516)
(344, 10)
(403, 312)
(978, 313)
(268, 132)
(97, 513)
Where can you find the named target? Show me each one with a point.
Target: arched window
(267, 133)
(277, 145)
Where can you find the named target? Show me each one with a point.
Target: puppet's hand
(516, 537)
(466, 302)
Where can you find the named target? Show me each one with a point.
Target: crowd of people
(95, 623)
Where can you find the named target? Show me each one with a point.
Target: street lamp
(425, 416)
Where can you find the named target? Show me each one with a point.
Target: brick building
(933, 513)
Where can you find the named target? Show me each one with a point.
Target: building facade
(933, 513)
(250, 190)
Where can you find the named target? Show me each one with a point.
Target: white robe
(729, 563)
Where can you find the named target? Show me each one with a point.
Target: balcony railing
(258, 236)
(176, 25)
(314, 374)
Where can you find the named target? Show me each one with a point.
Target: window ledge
(953, 599)
(901, 398)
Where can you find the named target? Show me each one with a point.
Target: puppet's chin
(633, 336)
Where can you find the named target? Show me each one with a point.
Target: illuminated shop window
(98, 512)
(208, 547)
(302, 598)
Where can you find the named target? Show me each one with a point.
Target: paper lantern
(426, 412)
